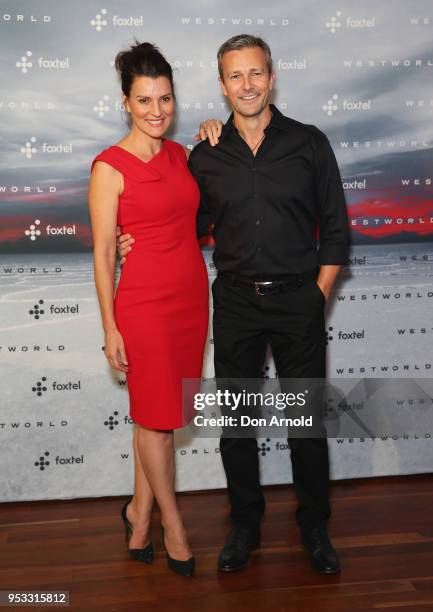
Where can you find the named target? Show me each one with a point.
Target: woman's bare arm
(104, 189)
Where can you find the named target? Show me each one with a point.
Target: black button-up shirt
(267, 210)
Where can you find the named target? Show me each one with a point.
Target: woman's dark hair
(142, 59)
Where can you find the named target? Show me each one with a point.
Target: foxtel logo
(336, 21)
(33, 231)
(355, 184)
(69, 460)
(40, 387)
(40, 309)
(294, 64)
(30, 148)
(25, 63)
(333, 105)
(351, 335)
(100, 20)
(60, 230)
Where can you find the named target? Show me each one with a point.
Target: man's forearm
(326, 278)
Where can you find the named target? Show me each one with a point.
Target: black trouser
(292, 322)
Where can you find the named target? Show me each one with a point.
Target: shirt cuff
(333, 254)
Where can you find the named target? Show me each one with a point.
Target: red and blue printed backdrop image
(360, 73)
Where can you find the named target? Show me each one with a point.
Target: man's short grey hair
(243, 41)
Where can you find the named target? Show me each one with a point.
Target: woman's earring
(126, 115)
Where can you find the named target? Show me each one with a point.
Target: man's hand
(211, 129)
(124, 242)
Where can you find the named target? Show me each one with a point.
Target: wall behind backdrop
(361, 72)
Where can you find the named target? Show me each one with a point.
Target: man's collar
(278, 121)
(228, 127)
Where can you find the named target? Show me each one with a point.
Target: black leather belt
(266, 287)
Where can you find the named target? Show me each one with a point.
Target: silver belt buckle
(257, 286)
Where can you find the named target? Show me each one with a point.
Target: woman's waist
(177, 248)
(160, 268)
(192, 289)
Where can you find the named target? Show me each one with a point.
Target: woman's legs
(156, 453)
(139, 509)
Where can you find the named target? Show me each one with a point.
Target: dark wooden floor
(382, 528)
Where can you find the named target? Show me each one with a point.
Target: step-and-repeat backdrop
(361, 72)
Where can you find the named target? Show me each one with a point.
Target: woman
(156, 324)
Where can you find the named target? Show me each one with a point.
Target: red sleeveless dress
(161, 301)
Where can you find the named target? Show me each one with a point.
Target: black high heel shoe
(183, 568)
(139, 554)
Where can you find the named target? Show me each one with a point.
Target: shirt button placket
(256, 213)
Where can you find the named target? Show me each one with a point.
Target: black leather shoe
(139, 554)
(241, 541)
(183, 568)
(322, 554)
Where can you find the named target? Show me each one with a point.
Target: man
(266, 188)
